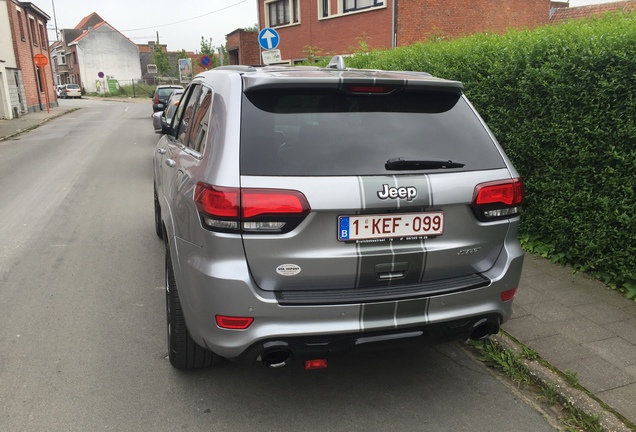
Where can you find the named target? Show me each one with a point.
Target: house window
(33, 33)
(21, 25)
(42, 34)
(356, 5)
(324, 8)
(282, 12)
(39, 72)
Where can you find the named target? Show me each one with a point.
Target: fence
(138, 88)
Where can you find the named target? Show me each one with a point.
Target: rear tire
(183, 352)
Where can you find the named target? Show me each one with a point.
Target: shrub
(561, 101)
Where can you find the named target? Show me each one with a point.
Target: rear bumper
(310, 347)
(222, 286)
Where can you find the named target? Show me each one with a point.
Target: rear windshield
(164, 92)
(72, 86)
(330, 133)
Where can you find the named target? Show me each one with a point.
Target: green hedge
(561, 101)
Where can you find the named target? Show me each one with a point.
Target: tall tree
(207, 47)
(162, 61)
(182, 54)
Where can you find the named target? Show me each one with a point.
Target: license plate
(404, 225)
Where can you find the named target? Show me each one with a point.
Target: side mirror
(157, 124)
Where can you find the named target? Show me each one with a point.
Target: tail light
(250, 210)
(156, 100)
(498, 199)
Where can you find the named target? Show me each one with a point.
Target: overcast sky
(180, 23)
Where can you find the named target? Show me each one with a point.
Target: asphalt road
(82, 318)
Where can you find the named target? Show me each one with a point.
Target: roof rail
(240, 68)
(337, 62)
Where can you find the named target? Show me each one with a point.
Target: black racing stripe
(375, 257)
(407, 311)
(394, 314)
(378, 316)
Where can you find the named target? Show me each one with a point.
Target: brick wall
(419, 20)
(233, 45)
(250, 52)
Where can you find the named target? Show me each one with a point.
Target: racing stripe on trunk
(391, 315)
(391, 262)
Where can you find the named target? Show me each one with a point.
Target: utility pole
(57, 38)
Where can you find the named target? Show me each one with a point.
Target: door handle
(161, 151)
(171, 163)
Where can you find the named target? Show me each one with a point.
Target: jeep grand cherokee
(312, 211)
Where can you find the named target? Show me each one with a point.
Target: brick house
(149, 68)
(242, 47)
(561, 12)
(326, 27)
(24, 86)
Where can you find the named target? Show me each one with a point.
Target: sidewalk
(578, 325)
(11, 128)
(572, 321)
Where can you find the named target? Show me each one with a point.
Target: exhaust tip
(276, 358)
(484, 329)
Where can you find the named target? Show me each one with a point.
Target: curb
(128, 99)
(543, 373)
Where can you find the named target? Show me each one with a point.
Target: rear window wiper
(398, 164)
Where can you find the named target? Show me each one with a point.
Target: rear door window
(186, 113)
(201, 119)
(300, 132)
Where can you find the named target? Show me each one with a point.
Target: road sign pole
(40, 60)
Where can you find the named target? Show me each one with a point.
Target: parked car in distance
(161, 95)
(162, 119)
(58, 90)
(71, 91)
(308, 212)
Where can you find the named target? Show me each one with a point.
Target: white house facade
(104, 53)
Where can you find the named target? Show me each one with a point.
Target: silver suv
(312, 211)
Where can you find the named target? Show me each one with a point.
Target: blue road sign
(268, 38)
(205, 61)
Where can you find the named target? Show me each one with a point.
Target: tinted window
(200, 122)
(186, 112)
(300, 132)
(165, 92)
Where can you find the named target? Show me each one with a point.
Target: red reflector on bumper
(508, 295)
(233, 323)
(315, 364)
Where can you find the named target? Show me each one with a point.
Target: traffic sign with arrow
(268, 38)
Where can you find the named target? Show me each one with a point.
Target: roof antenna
(337, 62)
